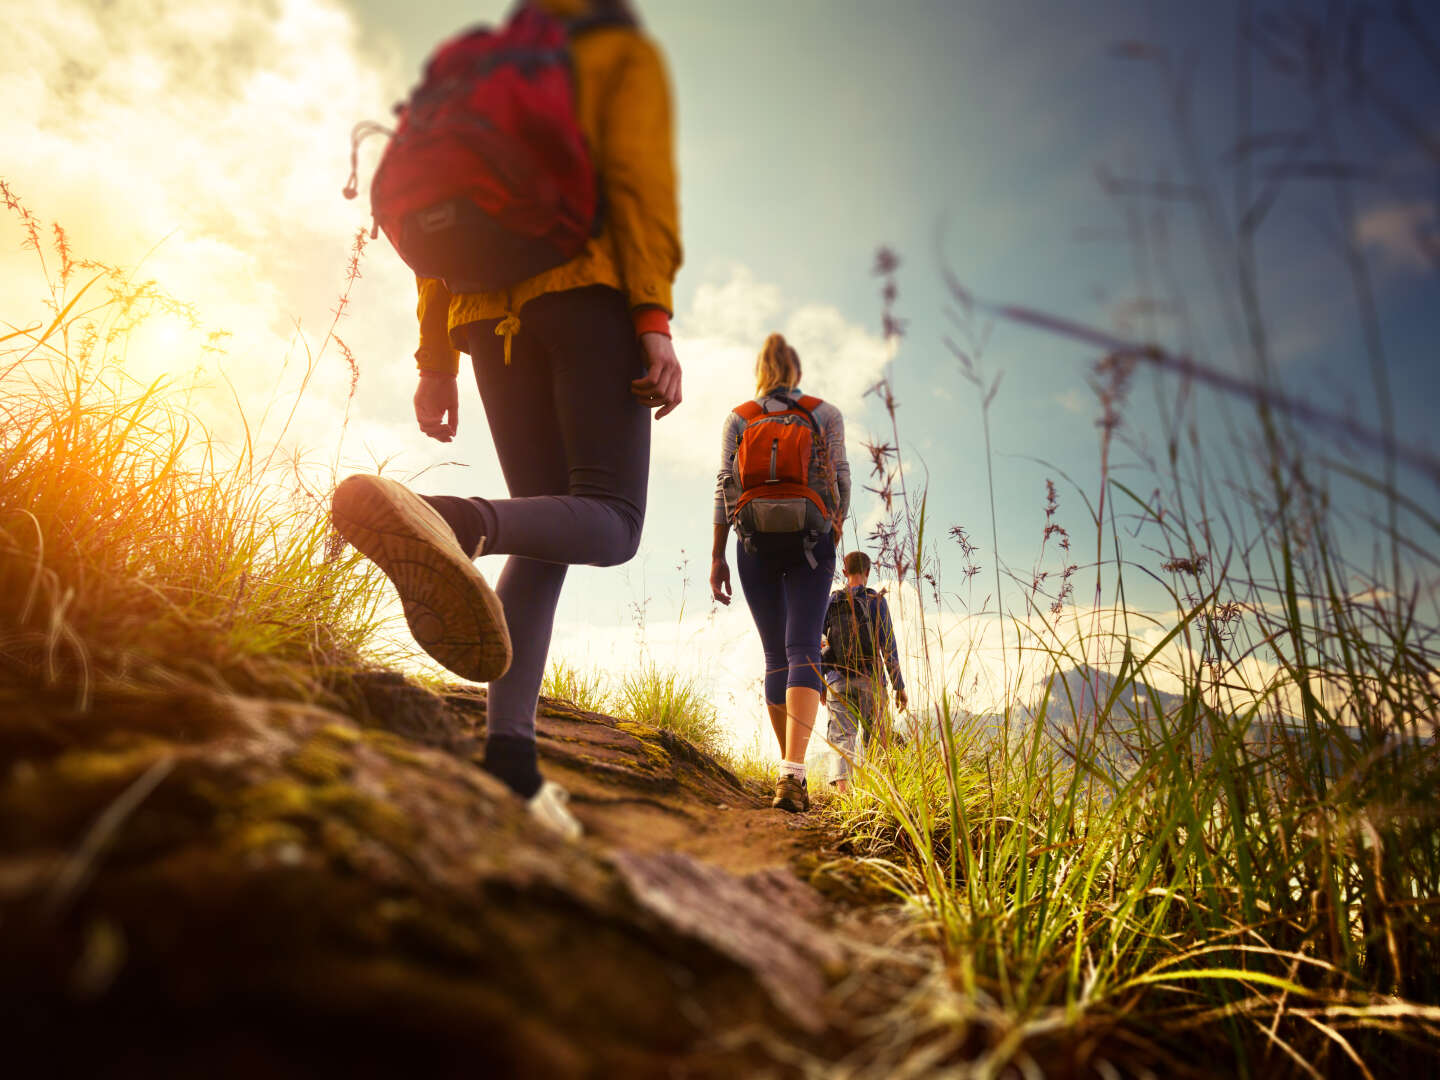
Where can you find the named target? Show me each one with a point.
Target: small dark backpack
(849, 633)
(487, 179)
(779, 465)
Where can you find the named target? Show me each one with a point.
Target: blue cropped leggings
(788, 598)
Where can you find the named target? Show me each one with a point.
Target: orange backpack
(779, 465)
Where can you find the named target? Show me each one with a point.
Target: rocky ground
(198, 884)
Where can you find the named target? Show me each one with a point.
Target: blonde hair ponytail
(777, 366)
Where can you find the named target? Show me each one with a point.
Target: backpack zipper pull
(358, 134)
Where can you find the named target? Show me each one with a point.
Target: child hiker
(859, 637)
(569, 364)
(784, 485)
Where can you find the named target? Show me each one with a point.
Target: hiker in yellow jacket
(569, 364)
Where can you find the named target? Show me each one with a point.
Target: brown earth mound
(198, 884)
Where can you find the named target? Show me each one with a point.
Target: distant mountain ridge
(1070, 700)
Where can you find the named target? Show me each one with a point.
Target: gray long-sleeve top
(832, 430)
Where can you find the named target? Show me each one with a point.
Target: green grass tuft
(673, 702)
(133, 547)
(585, 690)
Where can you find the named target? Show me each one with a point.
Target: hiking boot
(455, 616)
(550, 806)
(791, 795)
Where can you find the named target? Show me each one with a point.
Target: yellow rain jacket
(623, 101)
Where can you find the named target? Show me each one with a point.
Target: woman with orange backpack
(570, 360)
(784, 485)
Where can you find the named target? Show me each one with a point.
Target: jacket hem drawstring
(507, 328)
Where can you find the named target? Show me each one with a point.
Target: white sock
(793, 768)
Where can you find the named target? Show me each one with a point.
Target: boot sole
(453, 613)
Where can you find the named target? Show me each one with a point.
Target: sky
(1033, 152)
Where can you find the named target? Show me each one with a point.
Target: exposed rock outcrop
(192, 883)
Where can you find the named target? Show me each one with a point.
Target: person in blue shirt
(860, 651)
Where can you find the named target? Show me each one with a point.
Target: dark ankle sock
(466, 518)
(511, 759)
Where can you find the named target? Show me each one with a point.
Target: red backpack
(780, 466)
(487, 179)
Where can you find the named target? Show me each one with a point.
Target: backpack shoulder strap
(617, 15)
(865, 611)
(809, 402)
(749, 410)
(575, 25)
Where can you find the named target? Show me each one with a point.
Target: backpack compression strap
(782, 491)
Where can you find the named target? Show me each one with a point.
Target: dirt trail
(629, 796)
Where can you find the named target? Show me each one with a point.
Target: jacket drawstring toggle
(508, 327)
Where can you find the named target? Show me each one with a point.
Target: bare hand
(661, 385)
(720, 580)
(435, 397)
(902, 700)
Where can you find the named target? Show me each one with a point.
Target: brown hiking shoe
(791, 795)
(455, 616)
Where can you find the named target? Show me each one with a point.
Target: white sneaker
(551, 807)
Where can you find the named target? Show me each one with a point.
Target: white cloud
(209, 144)
(1403, 234)
(717, 341)
(1374, 596)
(738, 309)
(1075, 401)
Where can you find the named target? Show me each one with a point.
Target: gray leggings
(574, 446)
(853, 712)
